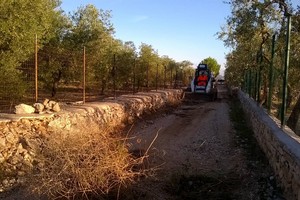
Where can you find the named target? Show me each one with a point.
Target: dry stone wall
(21, 136)
(282, 146)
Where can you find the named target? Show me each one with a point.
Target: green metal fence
(252, 84)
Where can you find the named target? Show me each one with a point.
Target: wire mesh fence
(69, 76)
(268, 93)
(10, 89)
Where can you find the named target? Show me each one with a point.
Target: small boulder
(51, 104)
(56, 107)
(24, 109)
(39, 107)
(46, 102)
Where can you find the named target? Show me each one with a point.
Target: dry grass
(78, 165)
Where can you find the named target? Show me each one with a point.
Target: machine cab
(202, 79)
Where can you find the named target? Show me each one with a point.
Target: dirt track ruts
(196, 141)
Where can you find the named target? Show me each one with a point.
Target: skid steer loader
(203, 82)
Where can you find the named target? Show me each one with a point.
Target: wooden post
(156, 78)
(134, 77)
(36, 68)
(83, 93)
(165, 76)
(147, 77)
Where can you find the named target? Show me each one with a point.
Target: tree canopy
(213, 65)
(250, 31)
(62, 39)
(20, 21)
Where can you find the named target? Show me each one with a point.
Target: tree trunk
(294, 120)
(56, 79)
(103, 86)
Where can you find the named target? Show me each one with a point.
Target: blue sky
(180, 29)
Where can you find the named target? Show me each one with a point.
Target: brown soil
(195, 155)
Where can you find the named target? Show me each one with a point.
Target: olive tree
(20, 22)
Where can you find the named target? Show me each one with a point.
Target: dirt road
(195, 152)
(195, 134)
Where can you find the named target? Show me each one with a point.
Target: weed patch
(83, 165)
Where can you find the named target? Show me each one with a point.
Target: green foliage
(125, 58)
(61, 40)
(15, 87)
(62, 58)
(213, 65)
(20, 21)
(148, 60)
(248, 32)
(88, 26)
(186, 72)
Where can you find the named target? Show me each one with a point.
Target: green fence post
(259, 83)
(244, 84)
(246, 81)
(286, 68)
(271, 75)
(250, 83)
(255, 85)
(259, 75)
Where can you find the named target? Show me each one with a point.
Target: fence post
(36, 68)
(171, 81)
(259, 75)
(84, 71)
(165, 76)
(250, 83)
(255, 85)
(244, 84)
(271, 74)
(156, 78)
(147, 77)
(286, 68)
(114, 76)
(133, 84)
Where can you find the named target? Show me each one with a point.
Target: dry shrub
(81, 164)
